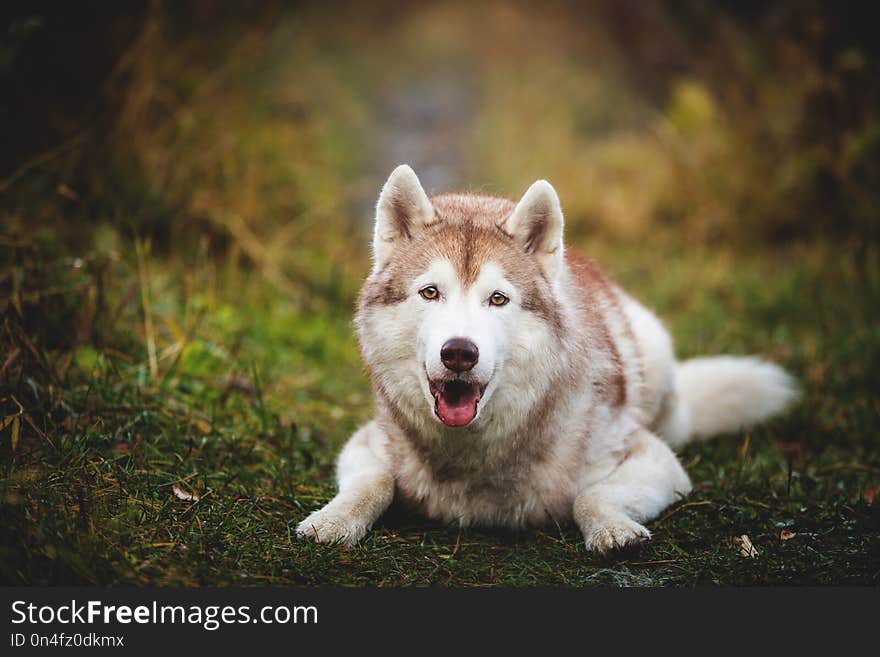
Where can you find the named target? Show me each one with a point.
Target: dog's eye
(430, 293)
(498, 299)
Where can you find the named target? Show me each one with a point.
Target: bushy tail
(723, 394)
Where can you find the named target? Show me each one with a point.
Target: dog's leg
(649, 479)
(366, 488)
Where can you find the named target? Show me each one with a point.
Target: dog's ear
(536, 223)
(402, 210)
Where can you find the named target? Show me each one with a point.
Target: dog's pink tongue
(459, 409)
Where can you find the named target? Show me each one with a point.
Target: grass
(249, 408)
(177, 363)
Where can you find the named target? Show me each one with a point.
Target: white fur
(366, 488)
(606, 465)
(611, 511)
(402, 191)
(723, 394)
(539, 214)
(463, 313)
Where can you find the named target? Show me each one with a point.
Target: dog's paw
(328, 525)
(614, 533)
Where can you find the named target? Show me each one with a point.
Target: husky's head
(458, 320)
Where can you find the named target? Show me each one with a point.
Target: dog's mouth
(456, 400)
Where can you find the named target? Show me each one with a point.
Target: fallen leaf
(181, 494)
(748, 550)
(787, 535)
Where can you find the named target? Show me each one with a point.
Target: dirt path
(426, 124)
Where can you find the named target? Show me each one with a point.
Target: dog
(515, 384)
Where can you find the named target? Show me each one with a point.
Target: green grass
(250, 412)
(177, 288)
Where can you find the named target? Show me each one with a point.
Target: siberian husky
(517, 385)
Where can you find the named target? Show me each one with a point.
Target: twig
(457, 544)
(679, 508)
(27, 418)
(9, 360)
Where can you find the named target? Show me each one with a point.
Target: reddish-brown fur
(467, 229)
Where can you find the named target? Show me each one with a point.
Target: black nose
(459, 354)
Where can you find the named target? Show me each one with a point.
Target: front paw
(330, 525)
(614, 533)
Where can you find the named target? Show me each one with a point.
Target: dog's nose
(459, 354)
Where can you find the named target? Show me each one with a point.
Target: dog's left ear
(402, 210)
(536, 223)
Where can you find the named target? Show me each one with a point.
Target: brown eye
(498, 299)
(429, 293)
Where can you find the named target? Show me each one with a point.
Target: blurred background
(720, 120)
(187, 194)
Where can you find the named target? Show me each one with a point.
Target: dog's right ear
(402, 210)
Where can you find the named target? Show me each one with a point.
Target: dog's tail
(723, 394)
